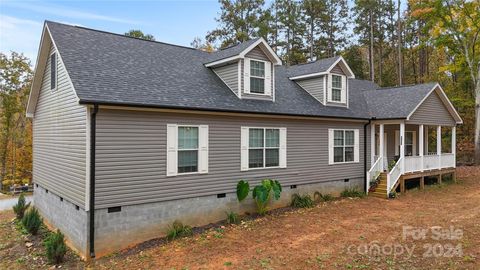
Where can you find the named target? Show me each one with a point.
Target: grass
(299, 201)
(352, 193)
(178, 230)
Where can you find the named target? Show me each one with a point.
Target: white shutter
(203, 149)
(268, 78)
(244, 149)
(356, 149)
(330, 146)
(172, 144)
(283, 148)
(397, 142)
(344, 89)
(329, 87)
(246, 75)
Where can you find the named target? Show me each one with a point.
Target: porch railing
(374, 171)
(394, 175)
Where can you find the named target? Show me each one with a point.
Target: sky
(177, 22)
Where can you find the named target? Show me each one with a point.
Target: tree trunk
(477, 117)
(399, 47)
(370, 55)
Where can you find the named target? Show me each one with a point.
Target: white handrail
(394, 175)
(374, 171)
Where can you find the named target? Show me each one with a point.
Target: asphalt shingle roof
(320, 65)
(396, 102)
(108, 68)
(230, 51)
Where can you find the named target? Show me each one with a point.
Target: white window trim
(331, 146)
(248, 91)
(282, 149)
(343, 89)
(202, 150)
(56, 71)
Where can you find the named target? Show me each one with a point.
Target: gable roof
(318, 67)
(112, 69)
(402, 102)
(239, 51)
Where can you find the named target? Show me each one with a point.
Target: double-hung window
(408, 143)
(337, 88)
(187, 149)
(263, 147)
(343, 145)
(257, 77)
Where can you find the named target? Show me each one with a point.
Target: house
(130, 135)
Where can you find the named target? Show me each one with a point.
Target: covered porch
(403, 150)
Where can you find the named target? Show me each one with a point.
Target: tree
(455, 25)
(334, 26)
(239, 21)
(139, 34)
(292, 30)
(15, 144)
(313, 11)
(199, 44)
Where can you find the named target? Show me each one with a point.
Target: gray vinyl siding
(432, 112)
(257, 53)
(229, 75)
(131, 156)
(314, 87)
(337, 70)
(59, 139)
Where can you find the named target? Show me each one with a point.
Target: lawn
(341, 234)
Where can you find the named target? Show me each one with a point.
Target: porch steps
(381, 189)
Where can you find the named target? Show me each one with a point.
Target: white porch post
(380, 150)
(372, 144)
(454, 146)
(421, 139)
(402, 146)
(439, 146)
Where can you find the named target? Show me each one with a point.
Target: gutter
(365, 155)
(93, 124)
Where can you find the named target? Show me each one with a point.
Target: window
(264, 146)
(257, 77)
(187, 149)
(53, 71)
(343, 145)
(337, 88)
(408, 143)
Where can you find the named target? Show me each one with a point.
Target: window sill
(257, 94)
(186, 174)
(340, 163)
(263, 168)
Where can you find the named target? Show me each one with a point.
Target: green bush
(352, 192)
(319, 197)
(262, 194)
(32, 221)
(178, 230)
(232, 218)
(299, 201)
(55, 247)
(21, 207)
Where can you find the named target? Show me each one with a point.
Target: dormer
(325, 79)
(248, 69)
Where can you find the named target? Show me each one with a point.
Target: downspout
(93, 122)
(365, 155)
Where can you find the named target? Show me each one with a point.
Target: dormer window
(257, 77)
(337, 88)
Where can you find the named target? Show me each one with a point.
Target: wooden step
(378, 195)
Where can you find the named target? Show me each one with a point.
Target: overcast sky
(175, 22)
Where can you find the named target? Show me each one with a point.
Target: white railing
(394, 175)
(413, 164)
(431, 162)
(447, 161)
(374, 171)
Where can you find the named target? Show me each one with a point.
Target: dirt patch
(332, 235)
(23, 251)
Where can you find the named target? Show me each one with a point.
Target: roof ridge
(235, 45)
(313, 62)
(125, 36)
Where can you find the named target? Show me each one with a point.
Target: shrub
(262, 194)
(352, 192)
(299, 201)
(232, 218)
(178, 230)
(319, 197)
(20, 207)
(55, 247)
(32, 221)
